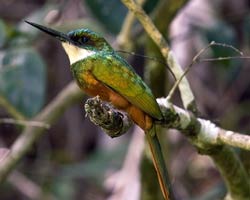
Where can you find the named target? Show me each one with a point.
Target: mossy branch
(203, 133)
(113, 122)
(207, 138)
(233, 173)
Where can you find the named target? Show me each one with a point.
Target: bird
(100, 71)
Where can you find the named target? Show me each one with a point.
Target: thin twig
(197, 60)
(67, 97)
(159, 60)
(124, 37)
(28, 188)
(223, 58)
(24, 123)
(11, 109)
(194, 60)
(227, 46)
(186, 93)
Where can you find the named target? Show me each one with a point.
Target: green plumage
(89, 52)
(116, 73)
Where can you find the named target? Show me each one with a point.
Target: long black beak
(59, 35)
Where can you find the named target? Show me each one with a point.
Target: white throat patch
(75, 53)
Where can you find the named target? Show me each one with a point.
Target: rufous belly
(93, 87)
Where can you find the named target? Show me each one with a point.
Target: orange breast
(93, 87)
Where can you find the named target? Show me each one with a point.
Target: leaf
(110, 13)
(221, 32)
(22, 80)
(150, 5)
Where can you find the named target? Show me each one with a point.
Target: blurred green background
(74, 158)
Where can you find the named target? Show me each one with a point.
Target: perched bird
(99, 70)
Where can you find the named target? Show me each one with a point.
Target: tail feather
(159, 163)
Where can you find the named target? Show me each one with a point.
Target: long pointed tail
(159, 163)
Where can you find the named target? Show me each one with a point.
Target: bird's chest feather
(82, 73)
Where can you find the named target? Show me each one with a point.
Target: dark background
(73, 158)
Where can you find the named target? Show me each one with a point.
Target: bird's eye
(83, 40)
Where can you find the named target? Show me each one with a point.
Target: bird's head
(79, 43)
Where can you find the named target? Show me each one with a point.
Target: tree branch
(206, 136)
(67, 97)
(124, 37)
(185, 90)
(234, 139)
(11, 109)
(202, 133)
(116, 123)
(233, 173)
(28, 188)
(113, 122)
(24, 122)
(206, 132)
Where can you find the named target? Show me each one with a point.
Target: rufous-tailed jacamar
(99, 70)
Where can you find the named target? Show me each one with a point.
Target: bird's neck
(75, 53)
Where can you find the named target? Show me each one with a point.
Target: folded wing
(121, 77)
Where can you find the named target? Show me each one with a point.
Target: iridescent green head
(87, 39)
(79, 43)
